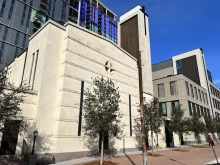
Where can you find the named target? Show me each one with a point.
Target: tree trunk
(144, 158)
(102, 151)
(152, 142)
(197, 140)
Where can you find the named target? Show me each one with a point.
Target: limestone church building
(60, 63)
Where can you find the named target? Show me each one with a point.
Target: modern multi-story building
(59, 64)
(19, 19)
(184, 80)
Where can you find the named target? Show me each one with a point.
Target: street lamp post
(35, 133)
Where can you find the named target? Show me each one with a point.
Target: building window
(23, 16)
(187, 88)
(206, 98)
(173, 88)
(161, 90)
(196, 93)
(29, 16)
(194, 108)
(200, 95)
(24, 41)
(203, 97)
(179, 67)
(5, 34)
(3, 8)
(1, 51)
(17, 38)
(198, 110)
(208, 112)
(175, 104)
(214, 102)
(10, 11)
(63, 12)
(190, 108)
(164, 108)
(54, 5)
(201, 108)
(192, 93)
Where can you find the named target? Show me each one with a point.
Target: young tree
(210, 124)
(153, 116)
(101, 111)
(11, 98)
(178, 123)
(196, 126)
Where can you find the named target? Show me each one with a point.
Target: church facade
(60, 63)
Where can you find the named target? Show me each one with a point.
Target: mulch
(97, 163)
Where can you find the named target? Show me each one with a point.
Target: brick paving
(193, 156)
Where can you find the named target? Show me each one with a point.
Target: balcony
(37, 22)
(44, 1)
(43, 11)
(38, 16)
(43, 5)
(73, 19)
(35, 29)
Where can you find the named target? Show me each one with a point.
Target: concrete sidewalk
(88, 159)
(188, 156)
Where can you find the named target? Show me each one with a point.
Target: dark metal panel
(190, 69)
(129, 36)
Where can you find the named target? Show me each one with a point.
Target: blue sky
(177, 26)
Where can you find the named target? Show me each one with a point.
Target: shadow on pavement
(177, 161)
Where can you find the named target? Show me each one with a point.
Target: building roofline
(179, 75)
(161, 61)
(99, 36)
(140, 8)
(189, 51)
(214, 85)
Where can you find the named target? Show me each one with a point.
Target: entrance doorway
(10, 137)
(169, 135)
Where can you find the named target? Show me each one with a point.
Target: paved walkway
(192, 156)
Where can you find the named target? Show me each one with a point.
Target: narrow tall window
(201, 108)
(203, 97)
(206, 98)
(173, 88)
(23, 16)
(191, 88)
(1, 51)
(3, 8)
(54, 7)
(130, 115)
(194, 108)
(161, 90)
(164, 108)
(175, 104)
(24, 41)
(187, 88)
(190, 108)
(5, 34)
(10, 11)
(196, 93)
(80, 109)
(198, 110)
(200, 95)
(29, 16)
(63, 12)
(179, 67)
